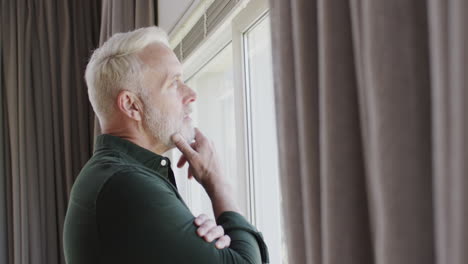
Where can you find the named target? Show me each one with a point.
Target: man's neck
(140, 139)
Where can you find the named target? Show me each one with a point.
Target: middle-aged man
(124, 205)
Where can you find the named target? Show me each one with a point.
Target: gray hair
(115, 66)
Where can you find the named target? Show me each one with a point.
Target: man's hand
(210, 231)
(205, 167)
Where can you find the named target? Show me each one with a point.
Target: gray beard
(162, 127)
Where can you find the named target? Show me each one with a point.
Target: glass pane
(214, 115)
(263, 141)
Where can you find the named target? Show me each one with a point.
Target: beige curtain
(46, 132)
(3, 217)
(122, 16)
(372, 125)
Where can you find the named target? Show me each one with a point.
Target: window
(263, 142)
(214, 115)
(232, 74)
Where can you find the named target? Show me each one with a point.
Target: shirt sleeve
(141, 220)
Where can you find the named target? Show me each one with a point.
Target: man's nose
(191, 96)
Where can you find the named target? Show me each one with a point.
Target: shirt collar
(146, 157)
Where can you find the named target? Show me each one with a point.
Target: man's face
(167, 106)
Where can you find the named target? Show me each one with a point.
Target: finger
(183, 146)
(200, 219)
(223, 242)
(199, 136)
(181, 161)
(206, 227)
(214, 233)
(189, 173)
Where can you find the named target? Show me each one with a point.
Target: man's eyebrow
(177, 75)
(169, 78)
(173, 77)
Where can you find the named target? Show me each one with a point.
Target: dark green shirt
(125, 208)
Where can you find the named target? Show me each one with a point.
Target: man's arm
(141, 220)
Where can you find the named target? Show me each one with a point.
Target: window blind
(214, 15)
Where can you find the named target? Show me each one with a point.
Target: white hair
(115, 66)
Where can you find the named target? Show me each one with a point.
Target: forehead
(160, 58)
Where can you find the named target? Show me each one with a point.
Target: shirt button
(163, 162)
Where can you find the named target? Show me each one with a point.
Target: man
(124, 205)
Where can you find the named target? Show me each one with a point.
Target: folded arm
(141, 220)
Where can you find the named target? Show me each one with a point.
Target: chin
(188, 133)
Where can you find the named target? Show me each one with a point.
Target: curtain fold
(46, 127)
(122, 16)
(449, 68)
(3, 171)
(372, 120)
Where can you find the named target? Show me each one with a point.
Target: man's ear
(129, 104)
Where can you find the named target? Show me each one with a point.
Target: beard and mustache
(162, 124)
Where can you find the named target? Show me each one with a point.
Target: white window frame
(254, 11)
